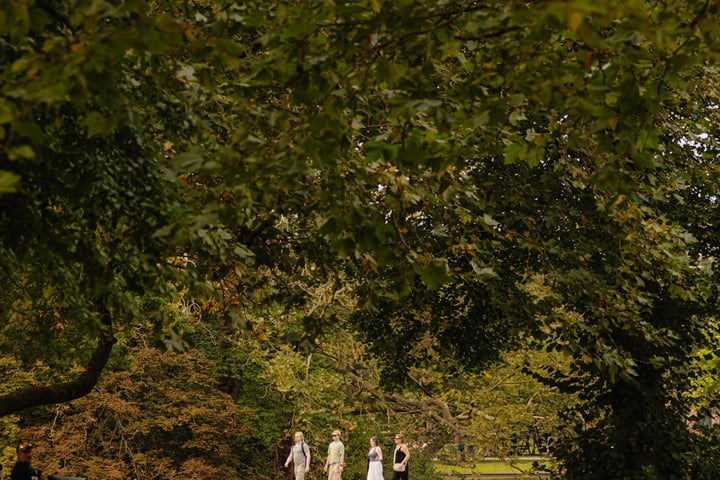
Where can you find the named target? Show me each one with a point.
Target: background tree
(155, 414)
(87, 208)
(557, 111)
(484, 174)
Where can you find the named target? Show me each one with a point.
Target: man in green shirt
(335, 458)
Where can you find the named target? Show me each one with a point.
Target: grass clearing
(510, 465)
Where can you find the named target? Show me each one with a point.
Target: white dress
(375, 471)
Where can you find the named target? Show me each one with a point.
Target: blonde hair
(400, 436)
(302, 437)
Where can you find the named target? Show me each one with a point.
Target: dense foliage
(160, 418)
(480, 175)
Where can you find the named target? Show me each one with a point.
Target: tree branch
(64, 392)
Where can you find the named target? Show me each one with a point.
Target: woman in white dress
(375, 471)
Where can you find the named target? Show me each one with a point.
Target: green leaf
(21, 152)
(435, 274)
(511, 152)
(8, 181)
(98, 124)
(6, 111)
(188, 161)
(489, 221)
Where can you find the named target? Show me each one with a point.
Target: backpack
(305, 448)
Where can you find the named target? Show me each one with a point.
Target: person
(335, 462)
(22, 469)
(400, 458)
(375, 470)
(300, 456)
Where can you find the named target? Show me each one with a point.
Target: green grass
(490, 466)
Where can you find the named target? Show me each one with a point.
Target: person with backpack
(300, 456)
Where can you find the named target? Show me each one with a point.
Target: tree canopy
(481, 175)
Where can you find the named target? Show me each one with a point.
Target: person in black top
(22, 469)
(401, 455)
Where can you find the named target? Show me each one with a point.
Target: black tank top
(399, 455)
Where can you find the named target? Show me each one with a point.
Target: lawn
(492, 466)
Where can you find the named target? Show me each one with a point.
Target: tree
(486, 173)
(543, 124)
(90, 217)
(155, 414)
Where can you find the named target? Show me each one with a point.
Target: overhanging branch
(63, 392)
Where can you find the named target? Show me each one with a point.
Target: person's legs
(401, 475)
(375, 471)
(300, 472)
(334, 472)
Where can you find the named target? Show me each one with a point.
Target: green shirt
(336, 450)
